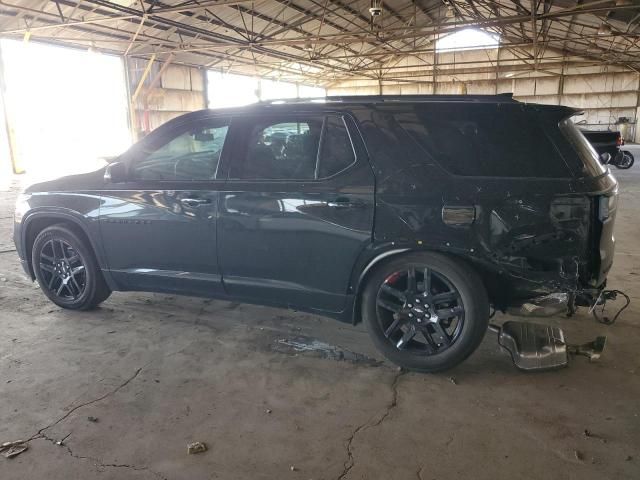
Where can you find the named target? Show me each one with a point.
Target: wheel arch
(37, 222)
(394, 253)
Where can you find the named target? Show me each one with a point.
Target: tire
(449, 321)
(66, 269)
(626, 161)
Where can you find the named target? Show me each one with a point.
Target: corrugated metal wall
(606, 94)
(178, 90)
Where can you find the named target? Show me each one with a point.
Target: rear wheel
(425, 311)
(626, 161)
(66, 269)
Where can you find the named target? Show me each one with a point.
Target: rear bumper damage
(543, 306)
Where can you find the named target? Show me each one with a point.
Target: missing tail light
(606, 206)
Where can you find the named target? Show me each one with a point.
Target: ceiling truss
(326, 41)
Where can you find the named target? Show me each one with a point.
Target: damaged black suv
(414, 214)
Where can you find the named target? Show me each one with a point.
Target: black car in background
(611, 143)
(414, 214)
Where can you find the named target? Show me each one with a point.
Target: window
(192, 155)
(289, 149)
(586, 152)
(337, 152)
(468, 39)
(484, 140)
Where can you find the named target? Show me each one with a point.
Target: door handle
(345, 203)
(194, 202)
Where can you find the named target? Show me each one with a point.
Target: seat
(261, 162)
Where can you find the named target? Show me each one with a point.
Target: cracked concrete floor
(158, 372)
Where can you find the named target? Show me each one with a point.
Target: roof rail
(499, 98)
(502, 97)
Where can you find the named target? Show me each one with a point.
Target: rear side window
(295, 147)
(282, 149)
(484, 140)
(586, 152)
(336, 153)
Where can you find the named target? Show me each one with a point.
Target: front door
(296, 211)
(159, 227)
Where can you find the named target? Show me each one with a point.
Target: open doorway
(67, 108)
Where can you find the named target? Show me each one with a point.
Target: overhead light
(124, 3)
(605, 29)
(376, 8)
(509, 75)
(308, 46)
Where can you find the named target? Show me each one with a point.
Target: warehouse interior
(121, 391)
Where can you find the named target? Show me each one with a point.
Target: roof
(323, 42)
(340, 103)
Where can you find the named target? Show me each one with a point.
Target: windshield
(585, 150)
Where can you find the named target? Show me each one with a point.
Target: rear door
(296, 211)
(159, 227)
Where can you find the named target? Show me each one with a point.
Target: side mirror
(115, 173)
(605, 158)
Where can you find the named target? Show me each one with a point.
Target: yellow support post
(132, 100)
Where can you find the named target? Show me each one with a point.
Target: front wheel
(425, 311)
(66, 269)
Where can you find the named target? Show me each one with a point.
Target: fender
(68, 215)
(364, 266)
(370, 259)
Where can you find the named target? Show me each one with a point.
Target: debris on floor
(592, 350)
(196, 447)
(92, 419)
(6, 445)
(60, 443)
(13, 449)
(589, 434)
(311, 346)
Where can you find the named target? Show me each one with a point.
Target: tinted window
(282, 149)
(484, 140)
(190, 154)
(336, 152)
(295, 148)
(585, 150)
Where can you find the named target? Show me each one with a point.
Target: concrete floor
(159, 372)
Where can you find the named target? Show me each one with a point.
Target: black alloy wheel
(420, 310)
(62, 269)
(66, 269)
(425, 311)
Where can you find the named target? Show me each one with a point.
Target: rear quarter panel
(530, 236)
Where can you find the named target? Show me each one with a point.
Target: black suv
(415, 214)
